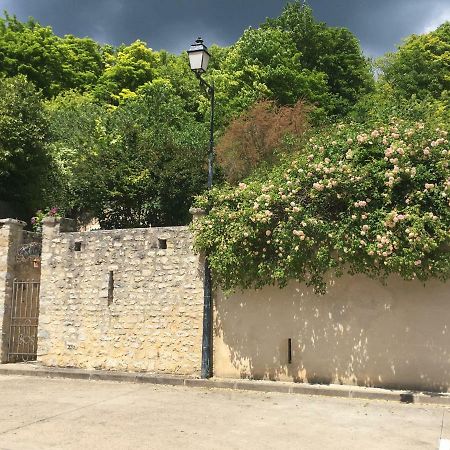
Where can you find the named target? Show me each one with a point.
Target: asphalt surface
(39, 413)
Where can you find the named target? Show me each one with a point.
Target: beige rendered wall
(152, 323)
(360, 332)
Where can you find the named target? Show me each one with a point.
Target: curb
(340, 391)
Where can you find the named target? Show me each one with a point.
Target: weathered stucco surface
(360, 332)
(116, 300)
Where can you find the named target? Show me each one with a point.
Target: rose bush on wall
(359, 198)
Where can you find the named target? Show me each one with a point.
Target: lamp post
(198, 60)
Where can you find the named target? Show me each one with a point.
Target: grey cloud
(382, 25)
(173, 24)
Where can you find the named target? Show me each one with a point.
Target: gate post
(11, 235)
(51, 228)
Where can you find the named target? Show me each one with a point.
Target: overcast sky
(173, 24)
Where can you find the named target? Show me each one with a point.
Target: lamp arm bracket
(209, 88)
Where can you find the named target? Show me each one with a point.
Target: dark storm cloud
(173, 24)
(381, 25)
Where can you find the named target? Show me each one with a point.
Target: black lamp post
(198, 59)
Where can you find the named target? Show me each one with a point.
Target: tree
(82, 64)
(52, 63)
(385, 102)
(127, 69)
(332, 51)
(137, 164)
(421, 66)
(24, 164)
(262, 134)
(73, 124)
(176, 69)
(265, 64)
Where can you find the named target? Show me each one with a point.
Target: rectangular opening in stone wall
(162, 243)
(77, 246)
(110, 287)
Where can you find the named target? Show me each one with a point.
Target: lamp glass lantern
(198, 56)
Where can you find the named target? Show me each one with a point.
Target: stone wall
(122, 299)
(12, 238)
(361, 332)
(132, 300)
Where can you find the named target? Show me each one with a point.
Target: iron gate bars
(23, 324)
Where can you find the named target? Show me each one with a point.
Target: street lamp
(199, 56)
(199, 59)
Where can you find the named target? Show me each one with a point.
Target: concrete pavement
(329, 390)
(41, 413)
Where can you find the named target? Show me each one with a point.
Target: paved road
(37, 413)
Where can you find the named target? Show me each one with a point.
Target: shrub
(260, 134)
(38, 219)
(357, 199)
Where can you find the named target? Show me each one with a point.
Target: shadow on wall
(360, 333)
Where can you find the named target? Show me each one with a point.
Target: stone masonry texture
(120, 300)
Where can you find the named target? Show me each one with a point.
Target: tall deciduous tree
(24, 163)
(332, 51)
(136, 164)
(265, 63)
(421, 66)
(129, 68)
(52, 63)
(74, 119)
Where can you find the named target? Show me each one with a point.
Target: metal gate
(24, 321)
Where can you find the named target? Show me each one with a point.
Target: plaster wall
(361, 332)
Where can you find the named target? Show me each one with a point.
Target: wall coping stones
(50, 220)
(67, 226)
(197, 213)
(19, 223)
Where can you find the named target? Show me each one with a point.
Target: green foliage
(52, 63)
(264, 63)
(383, 103)
(421, 66)
(73, 121)
(362, 199)
(129, 68)
(141, 162)
(24, 164)
(38, 219)
(331, 51)
(176, 69)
